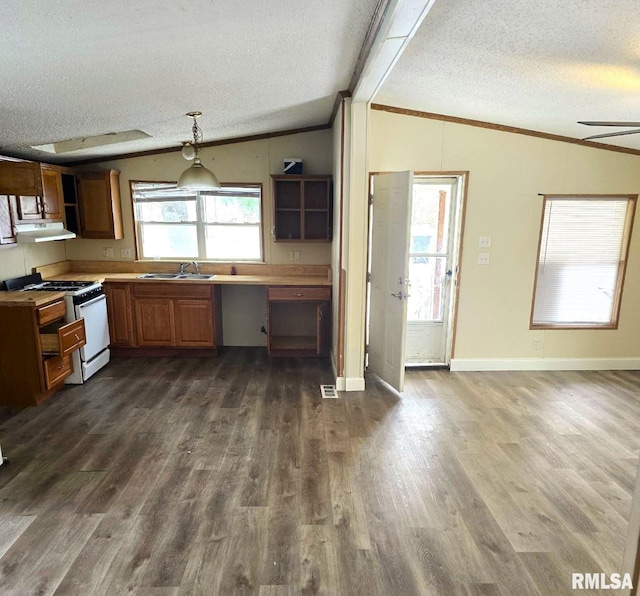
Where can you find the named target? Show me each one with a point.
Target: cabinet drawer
(305, 293)
(172, 289)
(50, 312)
(65, 340)
(57, 369)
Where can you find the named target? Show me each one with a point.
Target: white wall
(506, 173)
(18, 260)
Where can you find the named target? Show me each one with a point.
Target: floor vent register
(329, 391)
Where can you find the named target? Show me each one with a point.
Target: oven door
(96, 326)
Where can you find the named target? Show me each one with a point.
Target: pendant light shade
(197, 176)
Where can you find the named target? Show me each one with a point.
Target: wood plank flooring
(232, 476)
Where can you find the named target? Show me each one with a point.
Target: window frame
(622, 263)
(200, 224)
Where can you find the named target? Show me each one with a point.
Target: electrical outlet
(483, 258)
(536, 343)
(125, 253)
(107, 252)
(484, 242)
(294, 255)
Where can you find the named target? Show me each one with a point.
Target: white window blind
(583, 246)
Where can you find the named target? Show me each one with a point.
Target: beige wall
(506, 173)
(18, 260)
(252, 161)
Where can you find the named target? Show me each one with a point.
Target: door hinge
(368, 276)
(370, 199)
(366, 349)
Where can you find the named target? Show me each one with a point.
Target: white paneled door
(390, 289)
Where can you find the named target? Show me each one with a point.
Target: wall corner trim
(350, 383)
(506, 364)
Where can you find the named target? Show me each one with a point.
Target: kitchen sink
(175, 276)
(160, 276)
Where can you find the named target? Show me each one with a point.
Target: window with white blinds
(224, 224)
(582, 256)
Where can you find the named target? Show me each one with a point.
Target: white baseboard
(350, 383)
(480, 364)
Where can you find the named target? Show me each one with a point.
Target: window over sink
(208, 225)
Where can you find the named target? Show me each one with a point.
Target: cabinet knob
(76, 336)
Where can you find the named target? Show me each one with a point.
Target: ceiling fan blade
(613, 134)
(608, 123)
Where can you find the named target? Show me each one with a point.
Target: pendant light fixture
(197, 176)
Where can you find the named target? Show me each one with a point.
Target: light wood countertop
(29, 298)
(246, 280)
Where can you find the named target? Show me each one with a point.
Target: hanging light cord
(197, 134)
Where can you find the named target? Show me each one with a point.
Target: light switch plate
(484, 242)
(483, 258)
(107, 252)
(125, 253)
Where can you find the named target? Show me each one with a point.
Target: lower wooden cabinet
(298, 321)
(35, 350)
(155, 322)
(159, 318)
(194, 323)
(120, 316)
(163, 315)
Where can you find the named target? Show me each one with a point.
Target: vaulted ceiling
(74, 69)
(541, 65)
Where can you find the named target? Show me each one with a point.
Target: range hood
(43, 232)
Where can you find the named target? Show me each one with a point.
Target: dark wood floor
(232, 476)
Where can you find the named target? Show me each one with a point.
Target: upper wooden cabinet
(52, 195)
(7, 219)
(302, 207)
(20, 178)
(99, 199)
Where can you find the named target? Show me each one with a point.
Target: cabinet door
(30, 207)
(20, 178)
(52, 197)
(324, 328)
(100, 210)
(155, 324)
(7, 235)
(194, 323)
(120, 317)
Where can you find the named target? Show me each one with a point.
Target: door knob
(400, 295)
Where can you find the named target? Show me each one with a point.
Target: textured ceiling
(78, 68)
(538, 65)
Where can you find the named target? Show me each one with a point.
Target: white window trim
(200, 225)
(622, 265)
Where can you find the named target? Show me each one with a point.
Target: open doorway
(433, 223)
(434, 241)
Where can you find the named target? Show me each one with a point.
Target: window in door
(428, 249)
(582, 257)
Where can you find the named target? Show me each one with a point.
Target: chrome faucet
(185, 266)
